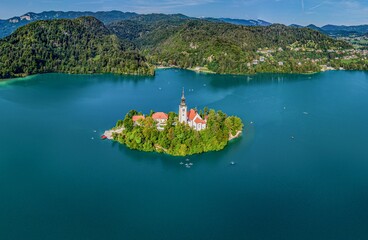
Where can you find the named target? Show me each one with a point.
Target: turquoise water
(56, 182)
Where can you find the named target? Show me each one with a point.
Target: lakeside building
(160, 117)
(136, 119)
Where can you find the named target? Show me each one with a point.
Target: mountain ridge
(7, 26)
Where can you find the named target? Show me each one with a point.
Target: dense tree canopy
(175, 40)
(83, 45)
(178, 139)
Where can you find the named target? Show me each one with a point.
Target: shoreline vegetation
(26, 77)
(153, 68)
(177, 139)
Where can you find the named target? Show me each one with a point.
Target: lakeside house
(160, 117)
(136, 119)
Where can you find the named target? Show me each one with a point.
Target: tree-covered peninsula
(172, 137)
(82, 45)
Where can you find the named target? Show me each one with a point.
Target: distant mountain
(329, 29)
(338, 31)
(10, 25)
(362, 29)
(82, 45)
(314, 27)
(244, 22)
(296, 26)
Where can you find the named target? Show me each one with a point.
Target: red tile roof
(160, 115)
(199, 120)
(137, 117)
(191, 114)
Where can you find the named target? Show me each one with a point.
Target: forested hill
(251, 38)
(227, 48)
(86, 45)
(147, 31)
(8, 26)
(153, 29)
(83, 45)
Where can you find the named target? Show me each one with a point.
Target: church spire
(183, 98)
(183, 118)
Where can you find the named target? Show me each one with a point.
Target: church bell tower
(183, 110)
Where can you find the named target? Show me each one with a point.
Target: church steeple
(183, 118)
(182, 98)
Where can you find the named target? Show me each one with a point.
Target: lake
(300, 173)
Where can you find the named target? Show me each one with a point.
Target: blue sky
(319, 12)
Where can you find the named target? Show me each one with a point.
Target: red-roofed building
(137, 117)
(192, 118)
(199, 121)
(192, 114)
(195, 121)
(160, 117)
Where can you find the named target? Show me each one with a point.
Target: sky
(303, 12)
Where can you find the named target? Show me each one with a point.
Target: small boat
(94, 131)
(187, 166)
(103, 137)
(92, 138)
(232, 163)
(292, 137)
(181, 163)
(191, 164)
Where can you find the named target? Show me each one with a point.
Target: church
(192, 118)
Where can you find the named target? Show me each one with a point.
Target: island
(184, 133)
